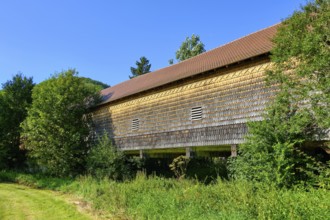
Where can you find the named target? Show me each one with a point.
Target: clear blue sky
(102, 39)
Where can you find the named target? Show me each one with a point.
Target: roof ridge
(240, 38)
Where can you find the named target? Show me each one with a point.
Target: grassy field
(162, 198)
(20, 202)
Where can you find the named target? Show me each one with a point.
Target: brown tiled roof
(246, 47)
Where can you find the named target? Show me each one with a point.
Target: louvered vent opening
(135, 124)
(196, 113)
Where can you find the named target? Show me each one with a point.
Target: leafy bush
(270, 155)
(105, 160)
(179, 166)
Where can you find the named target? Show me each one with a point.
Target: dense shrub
(179, 166)
(106, 161)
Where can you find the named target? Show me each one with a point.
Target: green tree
(189, 48)
(94, 83)
(15, 98)
(142, 67)
(57, 128)
(300, 112)
(302, 47)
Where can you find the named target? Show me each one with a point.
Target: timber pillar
(189, 152)
(233, 150)
(142, 154)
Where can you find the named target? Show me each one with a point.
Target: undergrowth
(162, 198)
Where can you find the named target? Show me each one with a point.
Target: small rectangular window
(196, 113)
(135, 124)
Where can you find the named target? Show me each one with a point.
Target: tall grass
(160, 198)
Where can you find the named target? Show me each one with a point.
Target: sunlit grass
(20, 202)
(162, 198)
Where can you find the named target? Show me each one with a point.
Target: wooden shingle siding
(102, 121)
(229, 97)
(208, 136)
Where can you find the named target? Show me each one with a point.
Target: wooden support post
(189, 152)
(234, 150)
(142, 154)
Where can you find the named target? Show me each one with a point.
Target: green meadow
(161, 198)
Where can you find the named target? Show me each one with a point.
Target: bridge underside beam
(200, 151)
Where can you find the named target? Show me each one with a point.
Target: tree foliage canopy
(303, 48)
(142, 67)
(300, 112)
(94, 83)
(15, 98)
(57, 128)
(189, 48)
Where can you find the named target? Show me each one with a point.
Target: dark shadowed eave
(244, 48)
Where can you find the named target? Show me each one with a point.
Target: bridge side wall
(227, 98)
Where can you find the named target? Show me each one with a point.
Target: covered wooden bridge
(198, 106)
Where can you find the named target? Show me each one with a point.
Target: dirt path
(20, 202)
